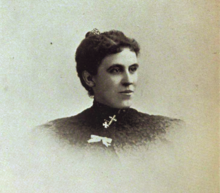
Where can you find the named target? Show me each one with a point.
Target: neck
(103, 106)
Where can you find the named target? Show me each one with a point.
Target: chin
(124, 104)
(118, 104)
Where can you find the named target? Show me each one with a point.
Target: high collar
(104, 108)
(103, 111)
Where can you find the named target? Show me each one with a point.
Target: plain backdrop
(178, 74)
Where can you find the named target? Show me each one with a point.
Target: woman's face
(116, 79)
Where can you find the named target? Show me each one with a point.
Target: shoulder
(72, 129)
(67, 122)
(156, 120)
(154, 127)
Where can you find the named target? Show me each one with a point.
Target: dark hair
(96, 46)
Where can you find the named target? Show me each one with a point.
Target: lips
(127, 91)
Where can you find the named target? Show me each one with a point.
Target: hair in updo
(96, 46)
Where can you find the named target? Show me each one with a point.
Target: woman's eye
(132, 69)
(114, 70)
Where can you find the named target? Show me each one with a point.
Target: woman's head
(95, 47)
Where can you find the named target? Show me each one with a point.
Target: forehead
(126, 57)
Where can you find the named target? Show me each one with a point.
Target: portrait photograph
(109, 96)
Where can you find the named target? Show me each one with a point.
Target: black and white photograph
(109, 96)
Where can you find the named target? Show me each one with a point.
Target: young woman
(107, 66)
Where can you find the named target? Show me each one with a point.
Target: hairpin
(94, 32)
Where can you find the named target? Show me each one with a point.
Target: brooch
(106, 124)
(105, 140)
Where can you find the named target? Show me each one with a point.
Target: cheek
(110, 82)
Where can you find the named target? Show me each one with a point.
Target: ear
(88, 78)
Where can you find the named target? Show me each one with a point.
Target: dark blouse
(129, 129)
(139, 154)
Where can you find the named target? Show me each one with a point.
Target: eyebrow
(121, 65)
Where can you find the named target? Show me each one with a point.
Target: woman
(109, 147)
(108, 69)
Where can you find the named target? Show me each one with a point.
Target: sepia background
(178, 74)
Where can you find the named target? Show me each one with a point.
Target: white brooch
(106, 124)
(105, 140)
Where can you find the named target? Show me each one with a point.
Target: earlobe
(87, 77)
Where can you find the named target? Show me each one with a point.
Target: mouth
(127, 92)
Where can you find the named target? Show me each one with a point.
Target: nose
(127, 78)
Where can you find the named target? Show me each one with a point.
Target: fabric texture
(132, 128)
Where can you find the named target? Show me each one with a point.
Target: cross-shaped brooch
(106, 124)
